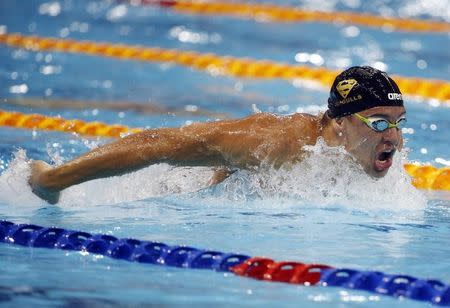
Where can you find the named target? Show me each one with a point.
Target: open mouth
(384, 159)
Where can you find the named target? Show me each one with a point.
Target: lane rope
(423, 176)
(285, 14)
(217, 65)
(428, 290)
(429, 177)
(43, 122)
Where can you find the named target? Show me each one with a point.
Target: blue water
(387, 226)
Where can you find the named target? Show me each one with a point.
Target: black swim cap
(359, 88)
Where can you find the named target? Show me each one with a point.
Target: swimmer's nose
(392, 135)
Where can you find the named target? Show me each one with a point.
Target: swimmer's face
(374, 150)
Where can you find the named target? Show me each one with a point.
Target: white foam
(153, 181)
(14, 189)
(157, 180)
(329, 176)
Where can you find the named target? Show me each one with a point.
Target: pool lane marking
(217, 65)
(261, 268)
(423, 176)
(286, 14)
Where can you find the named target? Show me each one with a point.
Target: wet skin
(373, 150)
(243, 143)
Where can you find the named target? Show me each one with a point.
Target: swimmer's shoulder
(270, 120)
(295, 123)
(305, 116)
(265, 117)
(304, 127)
(305, 119)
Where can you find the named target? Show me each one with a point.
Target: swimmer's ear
(339, 120)
(338, 125)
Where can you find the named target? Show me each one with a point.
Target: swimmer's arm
(181, 146)
(233, 143)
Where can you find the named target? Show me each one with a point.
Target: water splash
(154, 181)
(327, 177)
(14, 189)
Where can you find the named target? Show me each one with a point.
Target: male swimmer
(365, 115)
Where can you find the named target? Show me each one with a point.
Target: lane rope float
(423, 176)
(217, 65)
(265, 269)
(39, 121)
(429, 177)
(285, 14)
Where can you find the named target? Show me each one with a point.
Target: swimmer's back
(261, 137)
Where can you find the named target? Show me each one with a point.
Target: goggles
(381, 124)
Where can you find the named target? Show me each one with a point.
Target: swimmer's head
(359, 88)
(366, 114)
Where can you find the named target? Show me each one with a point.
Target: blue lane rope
(432, 291)
(126, 249)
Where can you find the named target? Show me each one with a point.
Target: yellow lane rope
(429, 177)
(39, 121)
(270, 12)
(423, 177)
(214, 64)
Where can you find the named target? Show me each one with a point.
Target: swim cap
(359, 88)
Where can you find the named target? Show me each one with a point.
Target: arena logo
(394, 96)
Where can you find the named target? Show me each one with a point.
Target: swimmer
(365, 115)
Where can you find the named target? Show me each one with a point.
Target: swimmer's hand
(37, 182)
(219, 176)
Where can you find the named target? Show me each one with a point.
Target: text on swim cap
(349, 100)
(394, 96)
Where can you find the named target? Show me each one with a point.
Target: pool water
(307, 214)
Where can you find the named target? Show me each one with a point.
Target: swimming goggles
(380, 124)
